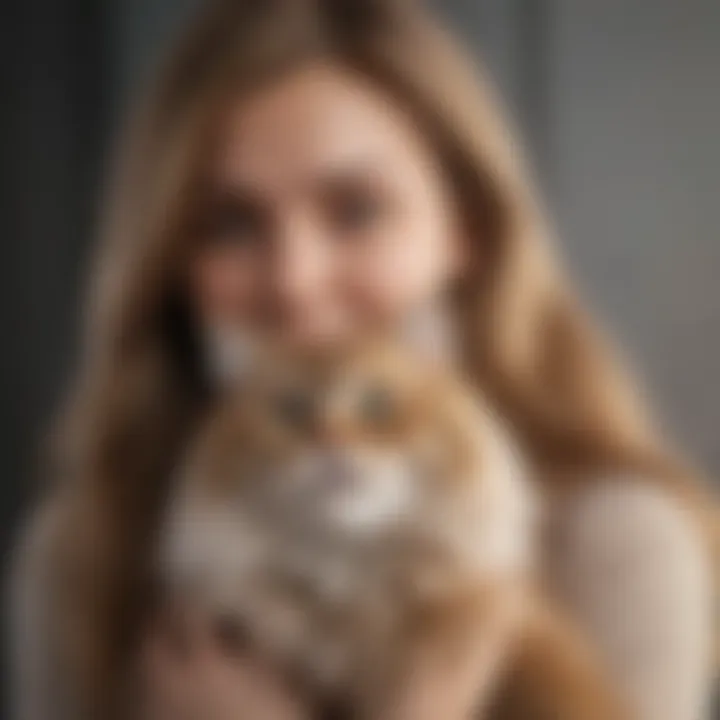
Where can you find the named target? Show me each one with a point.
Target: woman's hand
(188, 673)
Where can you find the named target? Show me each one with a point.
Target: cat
(362, 520)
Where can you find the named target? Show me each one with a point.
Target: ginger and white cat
(362, 517)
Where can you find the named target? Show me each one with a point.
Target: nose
(298, 275)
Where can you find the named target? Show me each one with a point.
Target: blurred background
(619, 105)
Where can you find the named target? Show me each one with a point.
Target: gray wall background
(634, 99)
(620, 104)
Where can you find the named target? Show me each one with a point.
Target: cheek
(223, 284)
(407, 263)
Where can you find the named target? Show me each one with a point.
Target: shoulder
(629, 517)
(31, 615)
(33, 568)
(628, 530)
(38, 539)
(634, 567)
(41, 572)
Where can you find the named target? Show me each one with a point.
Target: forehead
(319, 120)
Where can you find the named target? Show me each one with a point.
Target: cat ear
(229, 353)
(429, 332)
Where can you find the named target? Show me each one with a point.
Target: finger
(183, 634)
(187, 630)
(171, 683)
(252, 687)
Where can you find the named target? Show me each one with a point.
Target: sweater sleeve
(37, 689)
(631, 565)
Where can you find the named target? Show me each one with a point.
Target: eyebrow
(245, 189)
(220, 192)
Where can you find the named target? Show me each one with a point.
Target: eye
(353, 209)
(234, 221)
(296, 408)
(377, 407)
(356, 213)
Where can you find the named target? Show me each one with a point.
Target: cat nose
(338, 466)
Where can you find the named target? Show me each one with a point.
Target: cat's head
(356, 440)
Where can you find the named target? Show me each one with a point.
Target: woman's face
(327, 212)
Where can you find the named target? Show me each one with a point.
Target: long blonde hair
(527, 343)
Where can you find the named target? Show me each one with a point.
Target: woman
(313, 169)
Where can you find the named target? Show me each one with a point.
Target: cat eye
(297, 409)
(377, 407)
